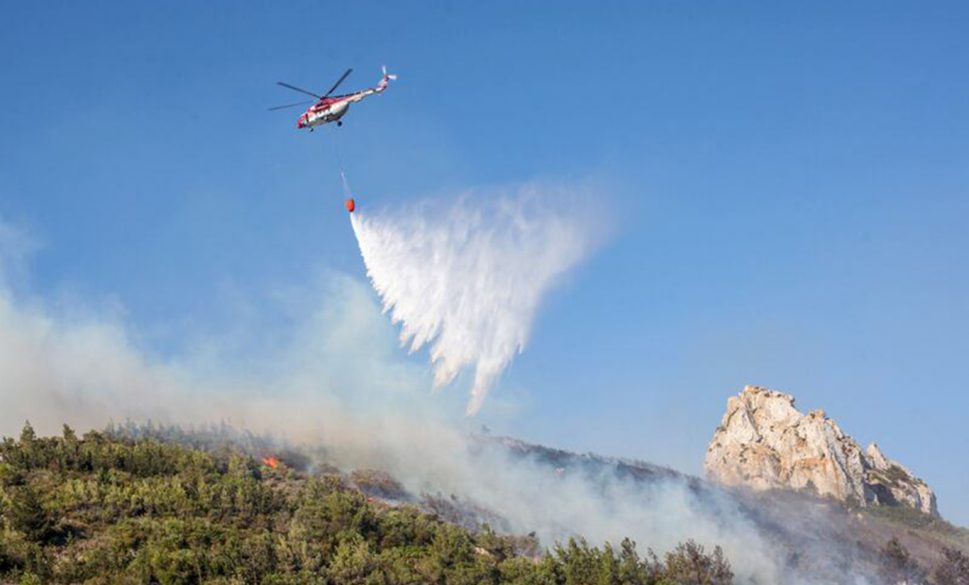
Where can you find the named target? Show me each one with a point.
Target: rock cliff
(764, 442)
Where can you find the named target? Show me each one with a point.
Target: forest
(104, 508)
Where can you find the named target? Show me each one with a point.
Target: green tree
(27, 515)
(579, 562)
(632, 570)
(69, 449)
(688, 564)
(354, 564)
(524, 571)
(26, 447)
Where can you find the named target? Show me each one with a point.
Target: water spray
(466, 277)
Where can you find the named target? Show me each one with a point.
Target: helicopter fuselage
(331, 109)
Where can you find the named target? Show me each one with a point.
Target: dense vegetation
(104, 509)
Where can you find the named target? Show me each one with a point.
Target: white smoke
(467, 277)
(337, 383)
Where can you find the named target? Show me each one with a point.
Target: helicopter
(331, 108)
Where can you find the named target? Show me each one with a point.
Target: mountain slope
(102, 509)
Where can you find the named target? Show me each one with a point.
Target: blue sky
(791, 183)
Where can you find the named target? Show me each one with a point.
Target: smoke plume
(334, 378)
(467, 278)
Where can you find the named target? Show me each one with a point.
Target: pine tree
(28, 515)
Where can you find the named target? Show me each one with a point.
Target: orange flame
(270, 461)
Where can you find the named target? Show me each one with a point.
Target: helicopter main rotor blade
(303, 103)
(338, 82)
(294, 88)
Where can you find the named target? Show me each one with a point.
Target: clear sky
(791, 182)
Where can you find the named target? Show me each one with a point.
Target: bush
(897, 566)
(953, 569)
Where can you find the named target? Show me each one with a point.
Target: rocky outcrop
(764, 442)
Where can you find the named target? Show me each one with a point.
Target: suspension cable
(347, 192)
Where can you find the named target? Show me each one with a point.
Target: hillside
(103, 509)
(146, 504)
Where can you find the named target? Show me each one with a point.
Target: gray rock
(764, 442)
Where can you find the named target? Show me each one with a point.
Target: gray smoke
(336, 378)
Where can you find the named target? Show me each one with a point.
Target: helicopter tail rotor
(382, 85)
